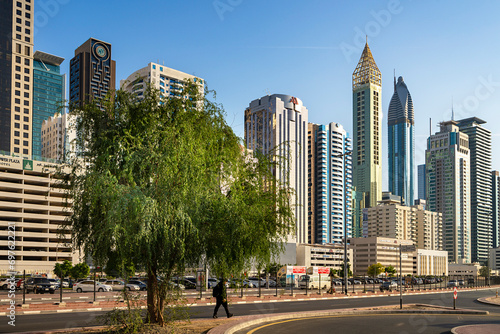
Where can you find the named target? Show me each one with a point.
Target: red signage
(294, 100)
(299, 270)
(455, 293)
(323, 270)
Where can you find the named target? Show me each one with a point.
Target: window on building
(25, 151)
(16, 149)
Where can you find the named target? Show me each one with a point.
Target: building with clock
(92, 72)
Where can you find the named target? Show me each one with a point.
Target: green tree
(484, 271)
(341, 271)
(166, 182)
(80, 270)
(62, 270)
(375, 269)
(390, 270)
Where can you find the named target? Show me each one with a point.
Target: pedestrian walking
(220, 293)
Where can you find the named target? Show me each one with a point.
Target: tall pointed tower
(401, 142)
(366, 157)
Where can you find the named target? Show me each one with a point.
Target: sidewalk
(283, 296)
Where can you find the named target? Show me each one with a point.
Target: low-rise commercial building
(331, 256)
(430, 262)
(368, 251)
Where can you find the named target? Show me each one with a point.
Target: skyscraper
(366, 158)
(16, 73)
(480, 187)
(421, 182)
(448, 188)
(49, 93)
(495, 208)
(92, 71)
(401, 142)
(277, 124)
(330, 183)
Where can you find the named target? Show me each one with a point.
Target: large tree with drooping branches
(162, 183)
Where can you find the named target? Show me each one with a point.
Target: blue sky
(246, 49)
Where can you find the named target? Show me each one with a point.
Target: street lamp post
(344, 156)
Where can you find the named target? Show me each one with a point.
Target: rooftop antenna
(394, 79)
(430, 127)
(452, 112)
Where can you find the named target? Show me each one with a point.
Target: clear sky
(445, 50)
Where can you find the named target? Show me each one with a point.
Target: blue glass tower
(401, 143)
(48, 94)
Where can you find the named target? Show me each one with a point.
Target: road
(26, 323)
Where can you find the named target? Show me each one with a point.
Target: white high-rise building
(277, 125)
(168, 81)
(329, 183)
(59, 137)
(448, 188)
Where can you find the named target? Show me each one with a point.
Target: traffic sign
(455, 293)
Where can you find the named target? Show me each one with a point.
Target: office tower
(330, 183)
(366, 157)
(16, 73)
(401, 142)
(58, 134)
(49, 93)
(92, 72)
(480, 187)
(495, 208)
(277, 125)
(448, 188)
(169, 82)
(421, 182)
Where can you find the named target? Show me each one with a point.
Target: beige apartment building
(391, 219)
(32, 210)
(59, 136)
(316, 255)
(368, 251)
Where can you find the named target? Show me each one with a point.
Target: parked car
(389, 286)
(118, 285)
(212, 282)
(142, 286)
(39, 285)
(453, 283)
(88, 285)
(55, 282)
(4, 283)
(461, 282)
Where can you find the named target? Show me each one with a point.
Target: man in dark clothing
(220, 293)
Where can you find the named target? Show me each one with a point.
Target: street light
(344, 155)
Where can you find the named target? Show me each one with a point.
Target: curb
(248, 321)
(484, 301)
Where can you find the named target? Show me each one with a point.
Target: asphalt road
(26, 323)
(387, 324)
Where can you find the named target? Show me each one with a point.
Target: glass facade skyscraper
(401, 142)
(421, 182)
(447, 172)
(48, 94)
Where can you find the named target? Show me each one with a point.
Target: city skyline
(323, 54)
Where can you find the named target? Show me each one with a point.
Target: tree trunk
(152, 296)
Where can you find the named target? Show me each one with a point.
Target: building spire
(366, 71)
(452, 112)
(394, 80)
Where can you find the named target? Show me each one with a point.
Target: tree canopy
(166, 183)
(62, 270)
(375, 269)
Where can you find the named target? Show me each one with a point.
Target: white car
(85, 286)
(118, 285)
